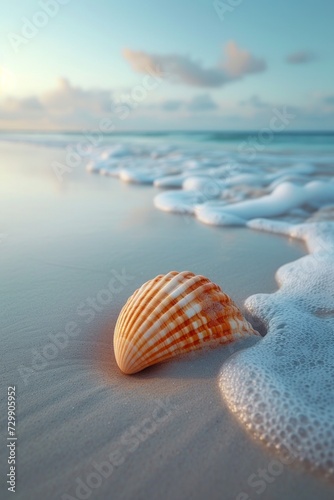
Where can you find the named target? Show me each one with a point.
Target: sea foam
(281, 389)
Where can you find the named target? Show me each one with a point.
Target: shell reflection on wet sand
(174, 314)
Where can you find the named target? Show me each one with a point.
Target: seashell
(173, 314)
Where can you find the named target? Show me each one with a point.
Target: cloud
(70, 107)
(66, 106)
(26, 104)
(182, 69)
(201, 103)
(240, 62)
(255, 101)
(316, 113)
(67, 98)
(301, 57)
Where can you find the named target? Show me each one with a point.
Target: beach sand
(84, 429)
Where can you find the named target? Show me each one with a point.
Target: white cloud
(182, 69)
(67, 99)
(241, 62)
(69, 107)
(203, 102)
(66, 106)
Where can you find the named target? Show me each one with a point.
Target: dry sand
(84, 429)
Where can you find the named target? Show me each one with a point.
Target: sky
(154, 65)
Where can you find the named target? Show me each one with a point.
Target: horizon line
(165, 131)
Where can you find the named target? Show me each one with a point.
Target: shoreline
(74, 412)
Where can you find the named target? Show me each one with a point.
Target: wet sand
(84, 429)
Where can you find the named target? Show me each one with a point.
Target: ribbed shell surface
(174, 314)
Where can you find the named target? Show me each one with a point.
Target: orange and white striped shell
(173, 314)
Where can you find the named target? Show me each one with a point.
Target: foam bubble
(216, 215)
(283, 199)
(209, 186)
(139, 176)
(281, 389)
(170, 181)
(179, 201)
